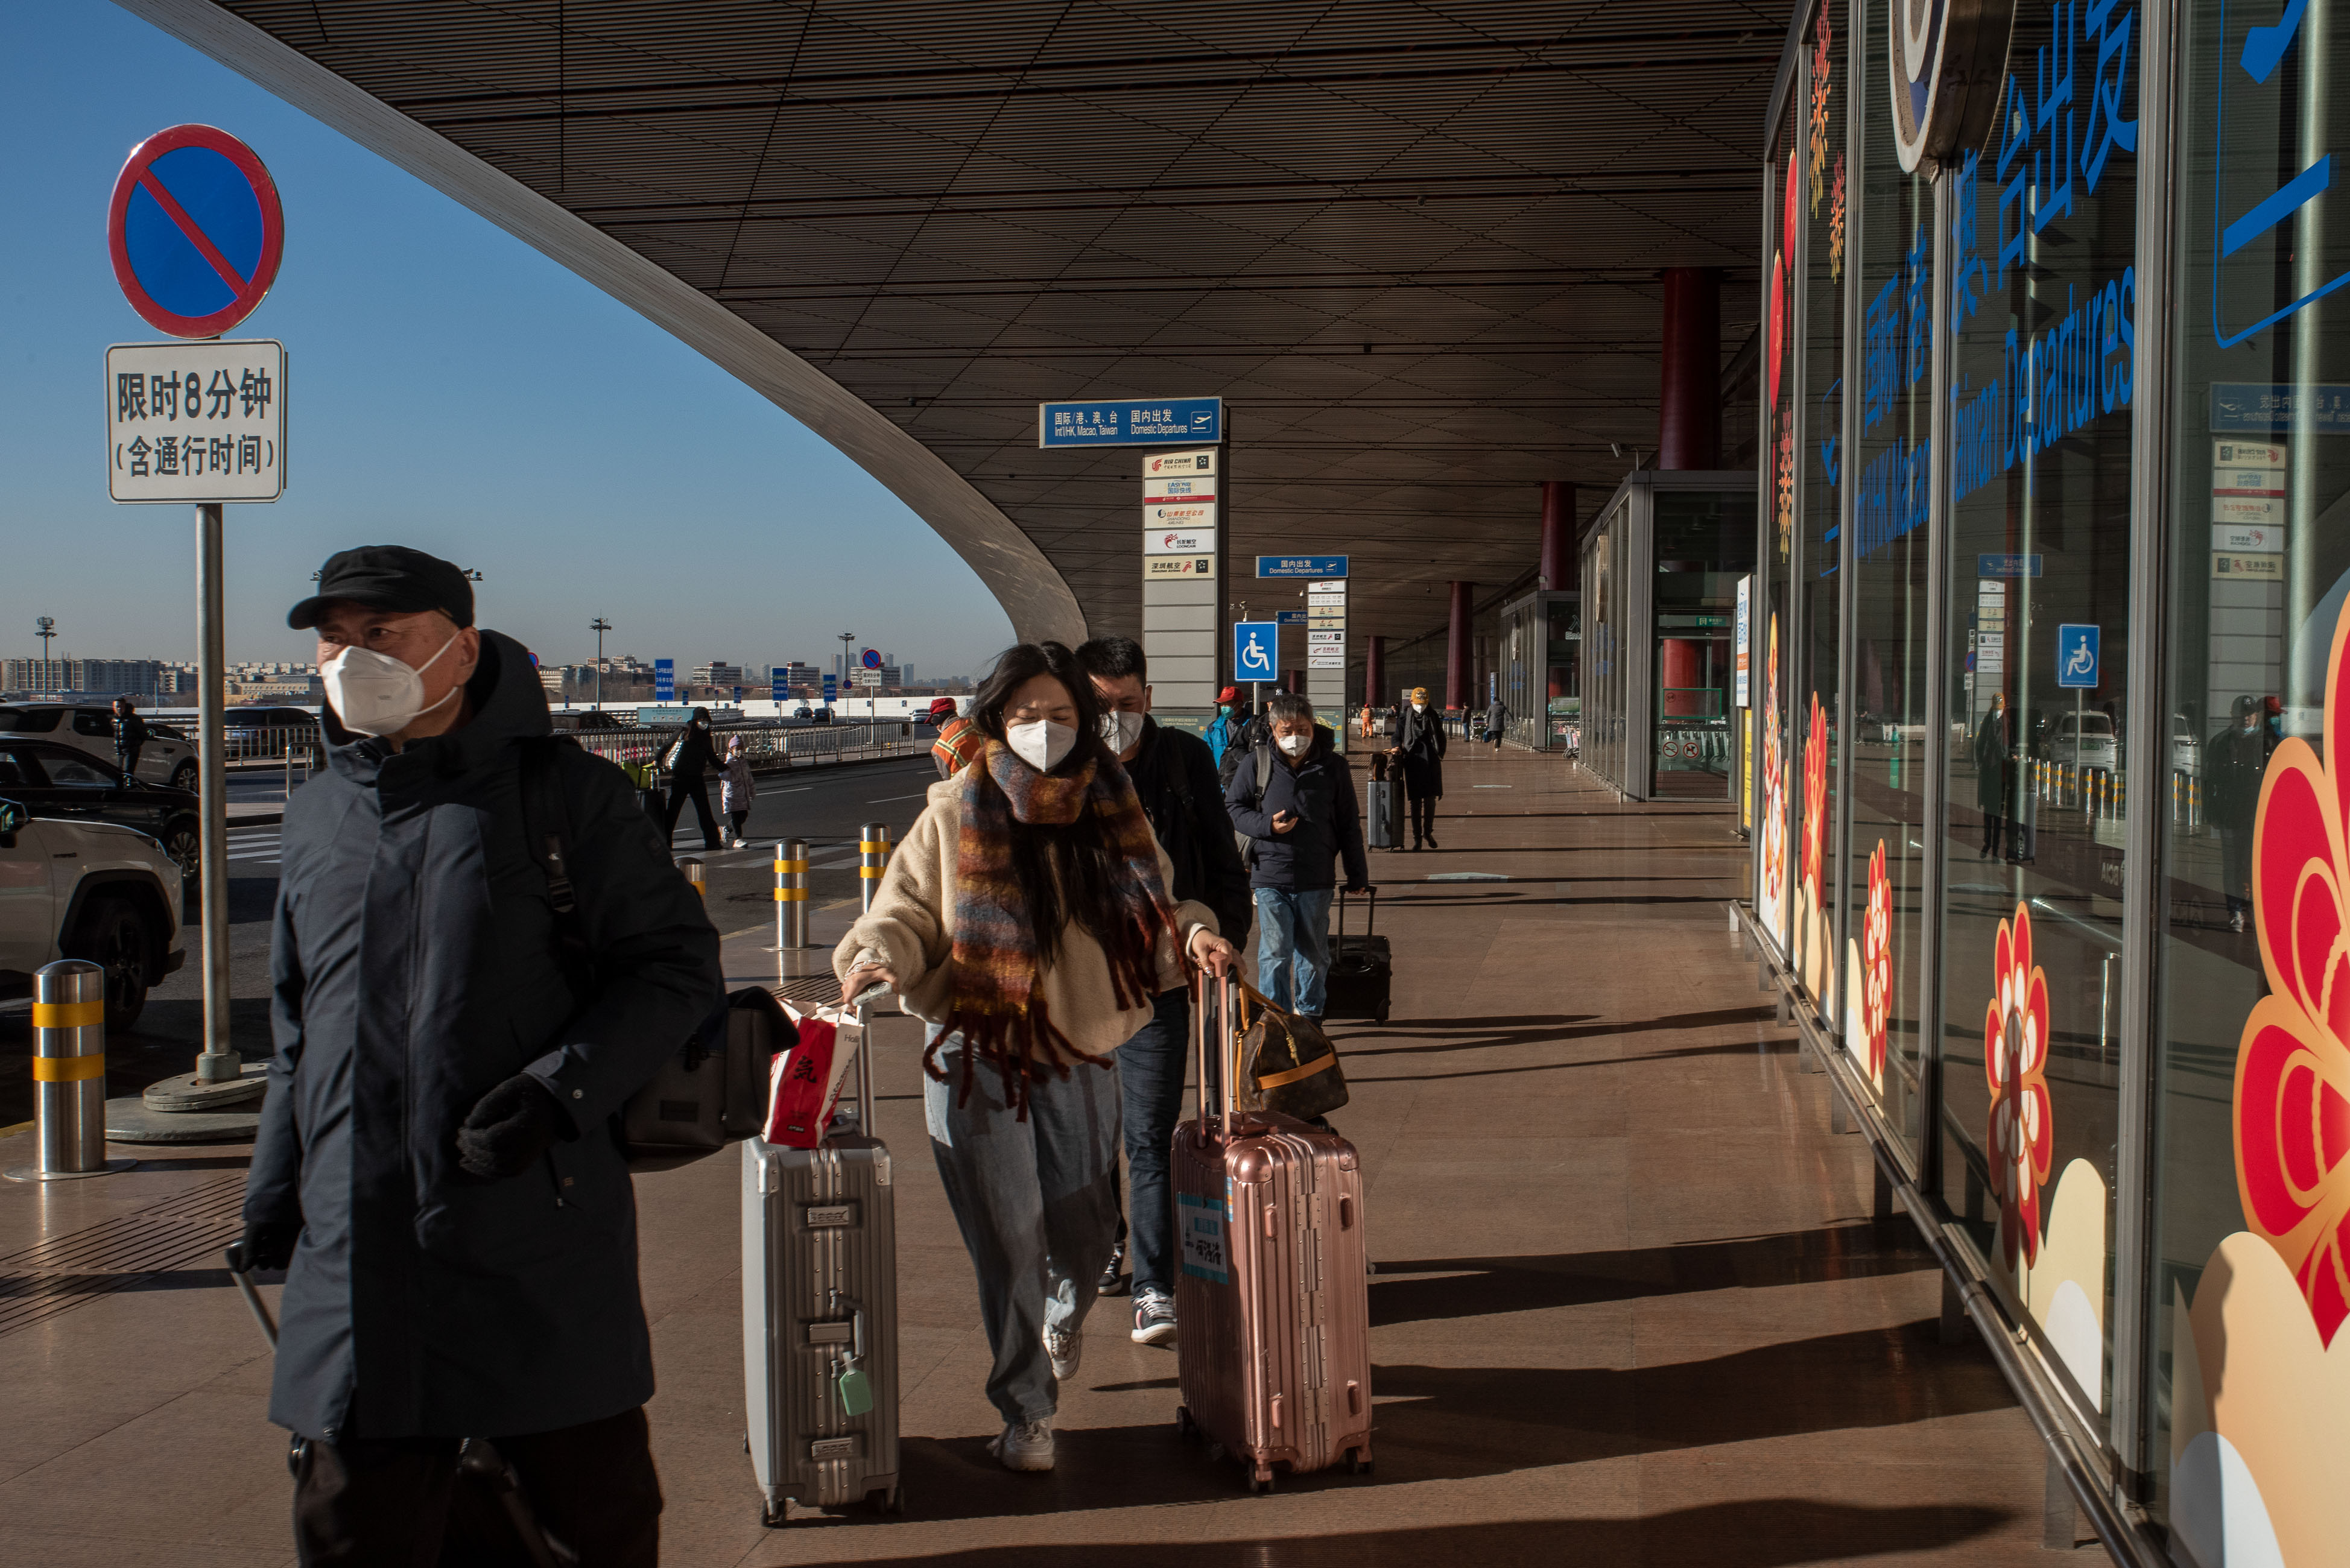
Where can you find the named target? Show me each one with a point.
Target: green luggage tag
(855, 1390)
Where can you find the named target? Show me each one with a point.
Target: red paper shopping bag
(807, 1079)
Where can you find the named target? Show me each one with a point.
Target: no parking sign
(195, 230)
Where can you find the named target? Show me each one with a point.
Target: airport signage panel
(664, 679)
(1162, 465)
(1301, 565)
(1180, 488)
(1290, 618)
(1334, 661)
(2247, 540)
(195, 230)
(1314, 639)
(1179, 514)
(1196, 567)
(1131, 421)
(1179, 542)
(1255, 650)
(196, 421)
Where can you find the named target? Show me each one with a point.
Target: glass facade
(2052, 643)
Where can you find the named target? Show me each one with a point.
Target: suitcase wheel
(1185, 1428)
(1215, 1450)
(1383, 1010)
(887, 1499)
(1360, 1462)
(1261, 1481)
(774, 1516)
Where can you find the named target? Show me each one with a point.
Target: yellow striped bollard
(873, 859)
(791, 894)
(69, 1074)
(692, 867)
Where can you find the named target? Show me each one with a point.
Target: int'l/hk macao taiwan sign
(1131, 421)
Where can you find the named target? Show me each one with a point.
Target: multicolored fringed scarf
(994, 1002)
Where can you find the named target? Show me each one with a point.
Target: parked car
(88, 891)
(258, 731)
(169, 757)
(59, 782)
(2186, 748)
(2084, 740)
(584, 720)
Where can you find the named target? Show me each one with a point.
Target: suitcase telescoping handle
(1222, 1031)
(1370, 915)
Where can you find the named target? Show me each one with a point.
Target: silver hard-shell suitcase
(820, 1316)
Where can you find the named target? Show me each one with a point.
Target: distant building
(719, 674)
(138, 677)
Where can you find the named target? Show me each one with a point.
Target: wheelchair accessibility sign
(1256, 649)
(2076, 656)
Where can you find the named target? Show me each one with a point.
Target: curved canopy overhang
(1416, 248)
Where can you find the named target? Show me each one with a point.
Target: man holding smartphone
(1295, 799)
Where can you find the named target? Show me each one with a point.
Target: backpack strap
(547, 822)
(1263, 754)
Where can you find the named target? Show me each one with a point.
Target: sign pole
(218, 1064)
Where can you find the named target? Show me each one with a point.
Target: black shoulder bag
(712, 1090)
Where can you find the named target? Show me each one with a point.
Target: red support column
(1459, 663)
(1689, 403)
(1375, 672)
(1555, 568)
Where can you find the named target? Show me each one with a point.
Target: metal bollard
(69, 1074)
(791, 894)
(873, 859)
(692, 867)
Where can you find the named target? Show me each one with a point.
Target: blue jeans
(1292, 943)
(1036, 1206)
(1151, 1069)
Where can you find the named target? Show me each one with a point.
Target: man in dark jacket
(1294, 798)
(1419, 745)
(436, 1166)
(1497, 720)
(129, 736)
(1174, 775)
(1994, 774)
(690, 760)
(2234, 763)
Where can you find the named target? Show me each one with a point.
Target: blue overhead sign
(831, 690)
(1290, 618)
(1256, 646)
(1301, 565)
(2076, 656)
(779, 683)
(2007, 565)
(664, 679)
(1132, 422)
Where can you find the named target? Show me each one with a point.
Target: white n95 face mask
(1420, 707)
(1121, 730)
(376, 694)
(1295, 744)
(1041, 744)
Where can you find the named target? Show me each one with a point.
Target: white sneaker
(1025, 1445)
(1064, 1346)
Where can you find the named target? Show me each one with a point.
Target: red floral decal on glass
(1815, 797)
(2292, 1066)
(1876, 963)
(1775, 782)
(2015, 1061)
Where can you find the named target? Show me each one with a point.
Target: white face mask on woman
(1420, 707)
(376, 694)
(1041, 744)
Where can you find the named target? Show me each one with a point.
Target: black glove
(512, 1126)
(268, 1244)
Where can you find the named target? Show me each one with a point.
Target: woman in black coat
(690, 761)
(1994, 773)
(1420, 743)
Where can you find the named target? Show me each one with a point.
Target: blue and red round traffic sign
(871, 658)
(195, 230)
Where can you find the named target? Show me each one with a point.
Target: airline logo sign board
(1167, 464)
(2243, 541)
(1196, 567)
(1188, 487)
(1179, 514)
(1180, 542)
(1316, 639)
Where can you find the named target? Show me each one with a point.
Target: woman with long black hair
(1025, 918)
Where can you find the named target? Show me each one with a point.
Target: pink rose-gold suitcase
(1272, 1307)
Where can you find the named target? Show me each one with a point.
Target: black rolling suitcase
(1383, 815)
(1362, 968)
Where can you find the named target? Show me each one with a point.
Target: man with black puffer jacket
(1296, 801)
(1175, 778)
(436, 1167)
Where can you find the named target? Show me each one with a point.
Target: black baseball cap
(388, 577)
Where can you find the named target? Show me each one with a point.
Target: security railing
(770, 747)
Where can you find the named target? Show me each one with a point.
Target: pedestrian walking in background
(1231, 718)
(1994, 773)
(1294, 798)
(436, 1168)
(958, 738)
(1419, 746)
(1497, 720)
(1027, 920)
(129, 736)
(736, 790)
(2234, 761)
(1174, 778)
(689, 760)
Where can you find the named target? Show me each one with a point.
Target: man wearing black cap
(465, 993)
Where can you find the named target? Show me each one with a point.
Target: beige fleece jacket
(911, 928)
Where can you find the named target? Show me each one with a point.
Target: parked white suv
(2092, 748)
(86, 890)
(168, 757)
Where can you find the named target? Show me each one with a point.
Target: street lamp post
(45, 627)
(599, 626)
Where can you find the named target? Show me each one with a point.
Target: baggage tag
(850, 1386)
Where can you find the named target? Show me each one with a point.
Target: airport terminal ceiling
(1415, 246)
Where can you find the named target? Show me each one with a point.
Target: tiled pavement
(1629, 1306)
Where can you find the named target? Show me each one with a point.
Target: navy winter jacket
(414, 968)
(1320, 792)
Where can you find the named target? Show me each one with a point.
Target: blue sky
(451, 389)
